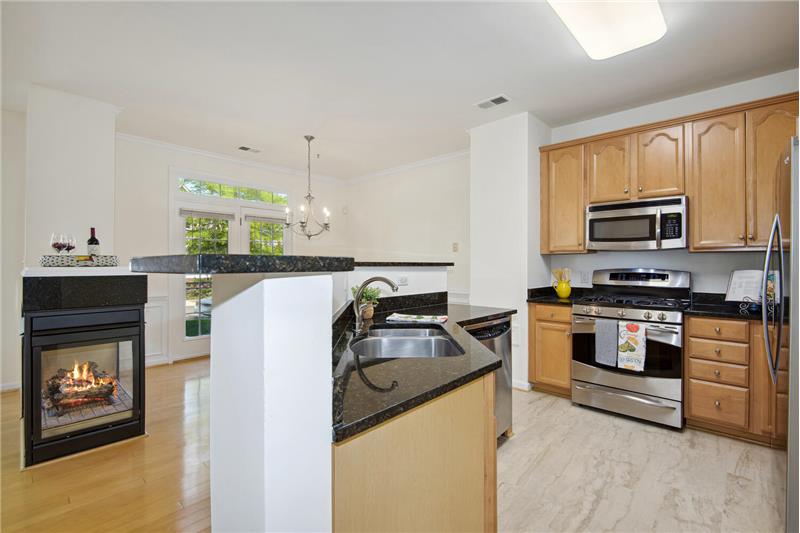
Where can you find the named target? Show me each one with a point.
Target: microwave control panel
(671, 226)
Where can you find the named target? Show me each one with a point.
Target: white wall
(710, 270)
(70, 170)
(502, 171)
(12, 236)
(413, 213)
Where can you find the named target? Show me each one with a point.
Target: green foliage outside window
(234, 192)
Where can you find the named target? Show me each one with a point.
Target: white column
(70, 170)
(271, 401)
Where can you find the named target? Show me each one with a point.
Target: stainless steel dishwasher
(496, 335)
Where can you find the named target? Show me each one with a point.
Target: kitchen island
(272, 393)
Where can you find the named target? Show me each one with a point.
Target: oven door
(664, 349)
(647, 225)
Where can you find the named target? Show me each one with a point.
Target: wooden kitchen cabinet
(717, 183)
(562, 201)
(608, 169)
(728, 388)
(769, 131)
(659, 162)
(550, 348)
(767, 404)
(430, 469)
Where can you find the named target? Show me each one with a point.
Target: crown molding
(222, 157)
(409, 166)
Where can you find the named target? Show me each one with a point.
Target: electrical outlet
(402, 281)
(455, 246)
(586, 279)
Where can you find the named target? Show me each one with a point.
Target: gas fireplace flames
(82, 386)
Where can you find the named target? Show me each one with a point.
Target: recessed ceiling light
(609, 28)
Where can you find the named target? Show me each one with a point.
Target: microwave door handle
(658, 228)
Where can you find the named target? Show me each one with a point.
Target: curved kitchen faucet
(356, 308)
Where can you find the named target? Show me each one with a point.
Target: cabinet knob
(716, 372)
(717, 351)
(741, 236)
(750, 236)
(787, 160)
(716, 329)
(625, 190)
(641, 188)
(552, 315)
(716, 403)
(569, 334)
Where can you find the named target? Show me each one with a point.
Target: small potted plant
(369, 299)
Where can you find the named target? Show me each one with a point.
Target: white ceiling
(379, 84)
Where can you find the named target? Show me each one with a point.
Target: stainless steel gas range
(653, 300)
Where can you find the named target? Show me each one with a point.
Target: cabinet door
(565, 200)
(553, 354)
(717, 183)
(766, 411)
(608, 169)
(659, 162)
(769, 131)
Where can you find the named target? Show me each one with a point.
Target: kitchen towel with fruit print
(632, 346)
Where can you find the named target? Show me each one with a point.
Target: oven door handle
(632, 397)
(582, 320)
(665, 335)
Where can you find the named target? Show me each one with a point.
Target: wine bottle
(93, 245)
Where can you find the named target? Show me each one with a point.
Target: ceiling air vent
(248, 149)
(494, 101)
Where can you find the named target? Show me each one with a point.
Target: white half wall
(414, 213)
(710, 270)
(12, 236)
(70, 170)
(502, 173)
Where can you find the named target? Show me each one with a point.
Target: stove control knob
(621, 312)
(647, 315)
(587, 310)
(662, 316)
(597, 310)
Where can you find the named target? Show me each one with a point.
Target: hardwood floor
(566, 469)
(155, 483)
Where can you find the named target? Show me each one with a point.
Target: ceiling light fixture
(308, 226)
(609, 28)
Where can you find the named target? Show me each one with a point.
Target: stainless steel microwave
(657, 224)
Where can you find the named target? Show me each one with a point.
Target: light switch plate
(586, 279)
(455, 246)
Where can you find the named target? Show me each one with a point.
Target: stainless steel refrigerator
(773, 313)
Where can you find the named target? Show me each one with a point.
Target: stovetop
(635, 301)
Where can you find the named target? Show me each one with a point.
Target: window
(232, 192)
(266, 236)
(203, 234)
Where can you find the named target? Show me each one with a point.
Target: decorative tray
(79, 261)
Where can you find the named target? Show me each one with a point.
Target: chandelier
(308, 226)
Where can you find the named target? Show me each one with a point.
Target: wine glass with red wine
(69, 243)
(57, 242)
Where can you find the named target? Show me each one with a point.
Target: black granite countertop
(357, 407)
(239, 264)
(547, 295)
(402, 264)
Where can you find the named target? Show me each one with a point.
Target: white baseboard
(6, 387)
(522, 385)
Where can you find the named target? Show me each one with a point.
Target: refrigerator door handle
(779, 301)
(773, 368)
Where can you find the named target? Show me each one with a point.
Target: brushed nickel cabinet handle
(716, 372)
(716, 403)
(717, 351)
(625, 190)
(641, 188)
(716, 330)
(750, 236)
(741, 236)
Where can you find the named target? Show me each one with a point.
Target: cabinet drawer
(720, 404)
(718, 372)
(728, 352)
(554, 313)
(715, 328)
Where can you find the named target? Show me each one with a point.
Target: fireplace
(83, 379)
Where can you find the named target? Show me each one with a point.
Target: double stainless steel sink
(396, 342)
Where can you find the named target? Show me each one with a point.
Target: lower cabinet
(430, 469)
(728, 387)
(550, 348)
